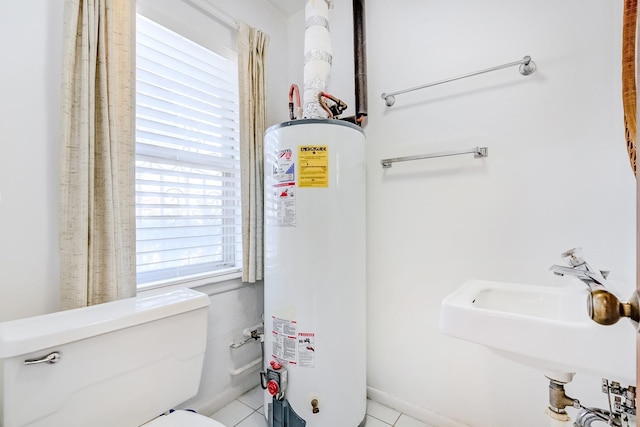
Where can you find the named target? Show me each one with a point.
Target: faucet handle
(573, 257)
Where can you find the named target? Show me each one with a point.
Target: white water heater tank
(315, 270)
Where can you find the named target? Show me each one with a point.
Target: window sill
(210, 285)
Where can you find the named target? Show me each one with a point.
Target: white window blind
(187, 158)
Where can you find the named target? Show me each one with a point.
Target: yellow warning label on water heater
(313, 166)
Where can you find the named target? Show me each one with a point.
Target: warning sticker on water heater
(284, 340)
(313, 166)
(284, 175)
(285, 204)
(284, 168)
(307, 349)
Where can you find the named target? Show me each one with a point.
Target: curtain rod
(213, 11)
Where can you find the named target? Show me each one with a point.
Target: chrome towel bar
(477, 152)
(527, 66)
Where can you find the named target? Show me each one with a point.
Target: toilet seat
(183, 419)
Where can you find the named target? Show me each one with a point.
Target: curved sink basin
(547, 328)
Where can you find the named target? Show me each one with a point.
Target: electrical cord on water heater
(263, 374)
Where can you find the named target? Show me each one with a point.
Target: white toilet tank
(120, 363)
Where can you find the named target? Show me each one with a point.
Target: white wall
(233, 308)
(31, 46)
(557, 176)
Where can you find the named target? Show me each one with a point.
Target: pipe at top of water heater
(317, 56)
(295, 108)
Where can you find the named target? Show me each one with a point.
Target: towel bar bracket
(481, 152)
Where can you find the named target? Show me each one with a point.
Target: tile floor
(246, 411)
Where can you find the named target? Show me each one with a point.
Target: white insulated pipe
(317, 56)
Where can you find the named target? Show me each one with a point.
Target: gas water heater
(314, 285)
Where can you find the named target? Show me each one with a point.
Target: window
(188, 216)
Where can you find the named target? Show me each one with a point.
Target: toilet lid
(183, 419)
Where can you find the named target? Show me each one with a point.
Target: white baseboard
(426, 416)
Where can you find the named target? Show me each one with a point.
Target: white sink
(544, 327)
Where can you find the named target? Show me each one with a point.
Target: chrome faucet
(594, 279)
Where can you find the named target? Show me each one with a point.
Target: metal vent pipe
(360, 61)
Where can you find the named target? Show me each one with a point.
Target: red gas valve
(276, 379)
(272, 388)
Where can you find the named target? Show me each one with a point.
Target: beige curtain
(252, 44)
(97, 193)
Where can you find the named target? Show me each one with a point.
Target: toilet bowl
(115, 364)
(183, 419)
